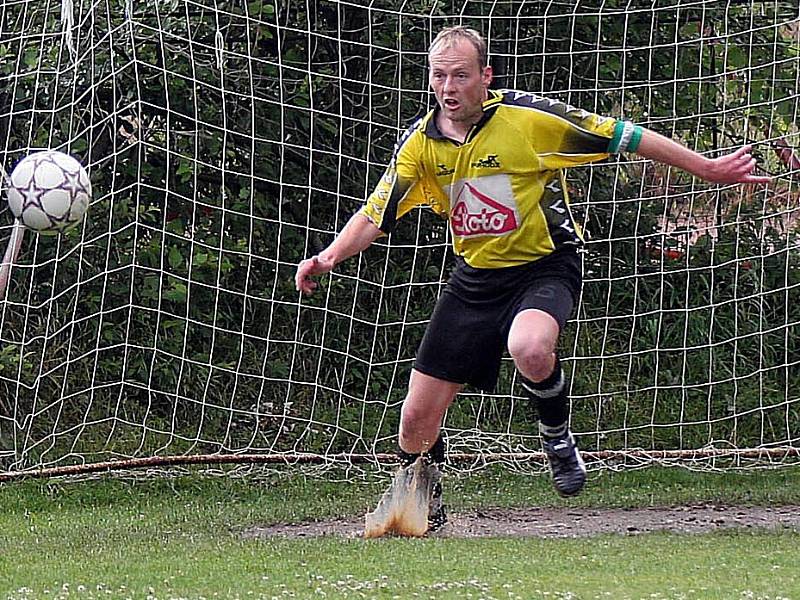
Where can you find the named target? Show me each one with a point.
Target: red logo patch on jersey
(475, 213)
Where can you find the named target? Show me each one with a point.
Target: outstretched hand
(316, 265)
(736, 167)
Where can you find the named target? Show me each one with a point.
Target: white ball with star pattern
(49, 191)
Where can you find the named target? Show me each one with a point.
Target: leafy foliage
(228, 140)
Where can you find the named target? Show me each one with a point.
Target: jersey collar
(489, 107)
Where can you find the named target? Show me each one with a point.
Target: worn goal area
(227, 140)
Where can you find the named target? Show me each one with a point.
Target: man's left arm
(736, 167)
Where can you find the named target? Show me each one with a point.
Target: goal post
(227, 140)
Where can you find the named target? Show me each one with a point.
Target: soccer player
(492, 163)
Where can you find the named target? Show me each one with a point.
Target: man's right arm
(394, 195)
(356, 236)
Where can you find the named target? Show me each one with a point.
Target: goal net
(228, 139)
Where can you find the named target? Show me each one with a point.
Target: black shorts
(468, 332)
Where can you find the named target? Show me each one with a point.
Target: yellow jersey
(503, 190)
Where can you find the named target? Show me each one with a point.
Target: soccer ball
(49, 191)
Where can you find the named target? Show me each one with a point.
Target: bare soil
(568, 522)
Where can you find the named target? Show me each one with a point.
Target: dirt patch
(568, 522)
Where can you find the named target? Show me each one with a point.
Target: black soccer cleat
(566, 464)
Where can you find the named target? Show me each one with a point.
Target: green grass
(181, 538)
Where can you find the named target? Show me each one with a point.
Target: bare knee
(532, 344)
(535, 360)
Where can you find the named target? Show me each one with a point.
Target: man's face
(458, 81)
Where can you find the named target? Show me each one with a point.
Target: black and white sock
(550, 399)
(436, 453)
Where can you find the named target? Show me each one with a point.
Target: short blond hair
(450, 36)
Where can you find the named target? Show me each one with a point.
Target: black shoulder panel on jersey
(581, 139)
(406, 135)
(547, 105)
(399, 189)
(399, 186)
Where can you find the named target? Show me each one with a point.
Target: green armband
(636, 137)
(613, 145)
(626, 137)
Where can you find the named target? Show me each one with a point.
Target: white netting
(227, 140)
